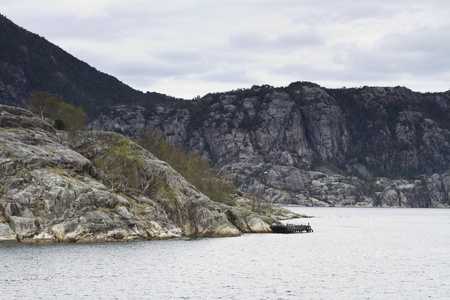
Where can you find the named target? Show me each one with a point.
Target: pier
(290, 228)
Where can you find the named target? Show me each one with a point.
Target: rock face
(95, 186)
(304, 144)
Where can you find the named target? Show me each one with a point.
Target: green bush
(59, 124)
(66, 116)
(123, 165)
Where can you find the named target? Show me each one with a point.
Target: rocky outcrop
(95, 186)
(277, 142)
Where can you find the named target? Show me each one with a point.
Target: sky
(190, 48)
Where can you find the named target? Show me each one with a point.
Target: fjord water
(354, 253)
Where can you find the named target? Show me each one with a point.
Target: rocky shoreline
(51, 190)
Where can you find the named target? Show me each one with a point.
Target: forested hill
(29, 63)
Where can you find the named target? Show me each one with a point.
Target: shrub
(123, 165)
(59, 124)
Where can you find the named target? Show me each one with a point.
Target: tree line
(63, 115)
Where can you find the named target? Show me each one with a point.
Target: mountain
(301, 144)
(30, 63)
(309, 145)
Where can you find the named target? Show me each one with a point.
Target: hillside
(99, 186)
(308, 145)
(29, 63)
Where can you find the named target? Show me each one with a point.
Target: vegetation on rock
(191, 166)
(123, 165)
(64, 115)
(109, 189)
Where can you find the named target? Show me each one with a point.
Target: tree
(66, 116)
(44, 104)
(73, 118)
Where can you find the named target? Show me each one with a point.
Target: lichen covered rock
(64, 188)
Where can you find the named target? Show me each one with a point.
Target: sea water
(353, 253)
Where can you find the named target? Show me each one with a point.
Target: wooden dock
(290, 228)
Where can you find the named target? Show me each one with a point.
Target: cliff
(99, 186)
(308, 145)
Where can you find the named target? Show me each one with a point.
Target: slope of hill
(28, 62)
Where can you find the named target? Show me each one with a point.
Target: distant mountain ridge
(28, 62)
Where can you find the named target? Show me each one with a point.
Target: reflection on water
(363, 253)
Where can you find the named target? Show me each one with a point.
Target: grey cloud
(247, 41)
(427, 39)
(320, 12)
(179, 56)
(219, 75)
(234, 41)
(285, 42)
(308, 72)
(358, 10)
(115, 22)
(157, 68)
(301, 39)
(420, 52)
(143, 69)
(363, 66)
(69, 27)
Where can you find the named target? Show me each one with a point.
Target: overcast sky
(187, 48)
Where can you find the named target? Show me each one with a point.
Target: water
(354, 253)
